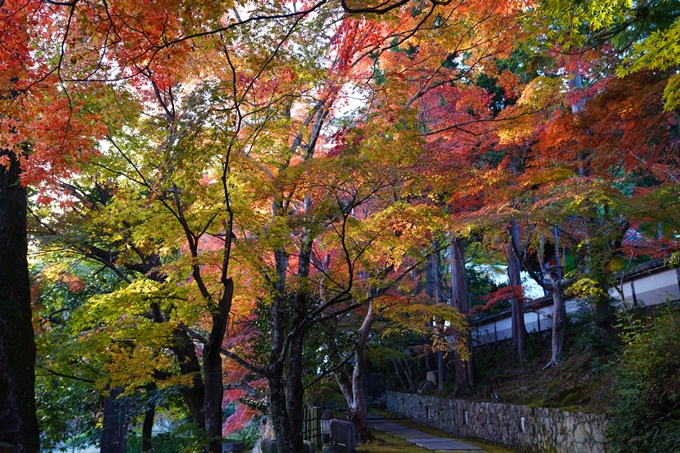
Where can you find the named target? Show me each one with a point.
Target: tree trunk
(147, 425)
(185, 353)
(114, 430)
(432, 285)
(559, 319)
(275, 378)
(295, 390)
(285, 372)
(407, 381)
(194, 396)
(461, 301)
(358, 410)
(430, 277)
(18, 421)
(519, 330)
(439, 298)
(278, 411)
(281, 399)
(438, 277)
(353, 389)
(212, 370)
(441, 370)
(345, 384)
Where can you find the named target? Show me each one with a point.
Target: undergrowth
(582, 381)
(646, 414)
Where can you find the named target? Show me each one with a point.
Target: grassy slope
(582, 381)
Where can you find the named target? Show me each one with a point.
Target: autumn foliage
(212, 183)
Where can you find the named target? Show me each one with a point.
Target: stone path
(417, 437)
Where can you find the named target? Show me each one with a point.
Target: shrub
(646, 416)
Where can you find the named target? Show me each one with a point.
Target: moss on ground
(385, 443)
(583, 380)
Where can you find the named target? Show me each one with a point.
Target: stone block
(334, 449)
(342, 432)
(233, 447)
(268, 446)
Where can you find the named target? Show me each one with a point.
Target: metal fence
(311, 425)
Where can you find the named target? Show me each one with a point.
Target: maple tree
(395, 315)
(113, 40)
(240, 205)
(176, 197)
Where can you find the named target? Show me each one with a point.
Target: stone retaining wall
(530, 430)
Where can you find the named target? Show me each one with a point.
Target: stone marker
(431, 376)
(342, 432)
(311, 446)
(426, 386)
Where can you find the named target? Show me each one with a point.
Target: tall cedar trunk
(439, 298)
(212, 369)
(285, 370)
(461, 301)
(431, 282)
(114, 424)
(18, 421)
(441, 370)
(429, 277)
(576, 83)
(438, 278)
(604, 313)
(519, 330)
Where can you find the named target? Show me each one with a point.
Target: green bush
(184, 439)
(646, 416)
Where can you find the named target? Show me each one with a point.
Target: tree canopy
(211, 184)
